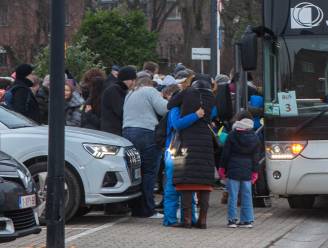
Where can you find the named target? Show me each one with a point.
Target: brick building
(24, 29)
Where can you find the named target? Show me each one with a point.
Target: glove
(254, 177)
(221, 172)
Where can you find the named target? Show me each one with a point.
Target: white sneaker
(156, 216)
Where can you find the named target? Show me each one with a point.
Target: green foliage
(119, 38)
(78, 60)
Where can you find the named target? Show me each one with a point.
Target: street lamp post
(213, 64)
(55, 182)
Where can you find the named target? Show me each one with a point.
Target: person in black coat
(113, 100)
(112, 78)
(91, 113)
(197, 172)
(23, 100)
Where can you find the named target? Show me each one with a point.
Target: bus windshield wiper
(309, 121)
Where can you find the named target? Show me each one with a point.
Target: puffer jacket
(196, 139)
(241, 154)
(73, 110)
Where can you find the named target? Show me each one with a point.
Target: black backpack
(160, 132)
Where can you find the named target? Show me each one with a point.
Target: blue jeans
(172, 197)
(144, 142)
(246, 208)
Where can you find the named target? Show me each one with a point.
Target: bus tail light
(284, 150)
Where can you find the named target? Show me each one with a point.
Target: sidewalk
(275, 227)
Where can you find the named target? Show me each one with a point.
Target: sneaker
(245, 224)
(232, 224)
(156, 216)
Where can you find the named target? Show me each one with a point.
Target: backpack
(161, 132)
(9, 96)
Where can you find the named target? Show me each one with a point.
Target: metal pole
(202, 66)
(219, 36)
(238, 94)
(213, 38)
(55, 181)
(244, 89)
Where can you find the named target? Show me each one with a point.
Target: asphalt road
(274, 227)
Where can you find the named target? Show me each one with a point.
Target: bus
(294, 39)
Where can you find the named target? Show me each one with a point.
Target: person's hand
(200, 113)
(88, 108)
(222, 174)
(254, 177)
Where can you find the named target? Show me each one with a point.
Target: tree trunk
(193, 13)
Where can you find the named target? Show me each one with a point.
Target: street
(275, 227)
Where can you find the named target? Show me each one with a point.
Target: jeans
(246, 208)
(144, 142)
(172, 197)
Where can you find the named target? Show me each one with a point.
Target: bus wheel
(301, 202)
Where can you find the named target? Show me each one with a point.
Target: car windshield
(14, 120)
(300, 84)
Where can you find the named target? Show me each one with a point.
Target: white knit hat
(245, 124)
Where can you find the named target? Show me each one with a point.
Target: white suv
(100, 167)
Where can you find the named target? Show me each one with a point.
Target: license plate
(137, 173)
(27, 201)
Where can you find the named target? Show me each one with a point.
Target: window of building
(67, 19)
(3, 57)
(4, 6)
(109, 4)
(308, 67)
(175, 13)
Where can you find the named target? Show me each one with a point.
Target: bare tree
(195, 22)
(159, 10)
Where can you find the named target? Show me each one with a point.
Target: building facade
(24, 29)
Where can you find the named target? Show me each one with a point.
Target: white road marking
(72, 228)
(96, 229)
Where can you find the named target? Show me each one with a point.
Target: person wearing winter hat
(112, 78)
(178, 67)
(113, 101)
(23, 100)
(240, 165)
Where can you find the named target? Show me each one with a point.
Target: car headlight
(100, 151)
(25, 178)
(284, 150)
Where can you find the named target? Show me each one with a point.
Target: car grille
(132, 157)
(22, 218)
(133, 160)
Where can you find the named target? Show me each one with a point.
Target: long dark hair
(96, 89)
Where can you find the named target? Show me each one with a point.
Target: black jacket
(110, 81)
(42, 96)
(241, 155)
(112, 108)
(90, 119)
(198, 167)
(24, 101)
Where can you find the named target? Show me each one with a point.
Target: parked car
(18, 200)
(100, 167)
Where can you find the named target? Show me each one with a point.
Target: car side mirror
(249, 50)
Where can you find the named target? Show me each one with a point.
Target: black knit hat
(127, 73)
(23, 70)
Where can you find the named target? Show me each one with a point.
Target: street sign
(201, 53)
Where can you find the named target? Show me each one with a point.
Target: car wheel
(301, 202)
(72, 190)
(262, 202)
(82, 210)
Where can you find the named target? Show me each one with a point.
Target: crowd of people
(183, 120)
